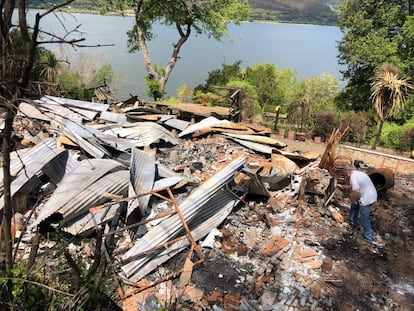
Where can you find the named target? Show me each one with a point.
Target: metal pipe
(381, 154)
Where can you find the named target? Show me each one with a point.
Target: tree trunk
(377, 137)
(7, 209)
(143, 47)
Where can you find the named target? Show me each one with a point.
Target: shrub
(398, 137)
(358, 127)
(324, 124)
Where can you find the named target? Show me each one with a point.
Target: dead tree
(15, 73)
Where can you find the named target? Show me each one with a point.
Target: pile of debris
(203, 215)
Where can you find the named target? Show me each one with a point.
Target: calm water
(308, 49)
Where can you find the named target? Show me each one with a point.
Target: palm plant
(388, 93)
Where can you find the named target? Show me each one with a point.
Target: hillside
(299, 11)
(287, 11)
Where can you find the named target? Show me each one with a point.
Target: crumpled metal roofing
(93, 219)
(203, 125)
(209, 216)
(92, 139)
(190, 208)
(85, 187)
(146, 132)
(260, 139)
(254, 146)
(178, 124)
(142, 176)
(75, 103)
(30, 163)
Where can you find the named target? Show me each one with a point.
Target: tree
(374, 32)
(17, 62)
(208, 17)
(268, 81)
(389, 89)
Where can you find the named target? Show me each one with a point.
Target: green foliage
(311, 96)
(75, 84)
(104, 75)
(251, 106)
(324, 124)
(208, 98)
(25, 290)
(71, 84)
(267, 87)
(398, 137)
(375, 32)
(154, 88)
(220, 77)
(358, 124)
(184, 93)
(321, 91)
(265, 79)
(210, 18)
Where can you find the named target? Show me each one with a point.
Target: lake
(308, 49)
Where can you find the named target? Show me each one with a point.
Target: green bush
(324, 124)
(358, 125)
(398, 137)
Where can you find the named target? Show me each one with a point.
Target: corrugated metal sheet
(260, 139)
(48, 111)
(92, 219)
(34, 161)
(254, 146)
(31, 111)
(61, 165)
(210, 216)
(31, 162)
(95, 194)
(146, 132)
(85, 137)
(167, 182)
(113, 117)
(75, 103)
(84, 187)
(142, 178)
(204, 124)
(190, 208)
(178, 124)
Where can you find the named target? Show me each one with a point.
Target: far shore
(130, 13)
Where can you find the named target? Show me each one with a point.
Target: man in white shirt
(363, 195)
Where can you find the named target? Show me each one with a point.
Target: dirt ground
(362, 277)
(387, 271)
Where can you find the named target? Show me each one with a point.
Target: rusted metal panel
(190, 208)
(210, 216)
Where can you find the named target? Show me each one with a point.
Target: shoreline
(130, 13)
